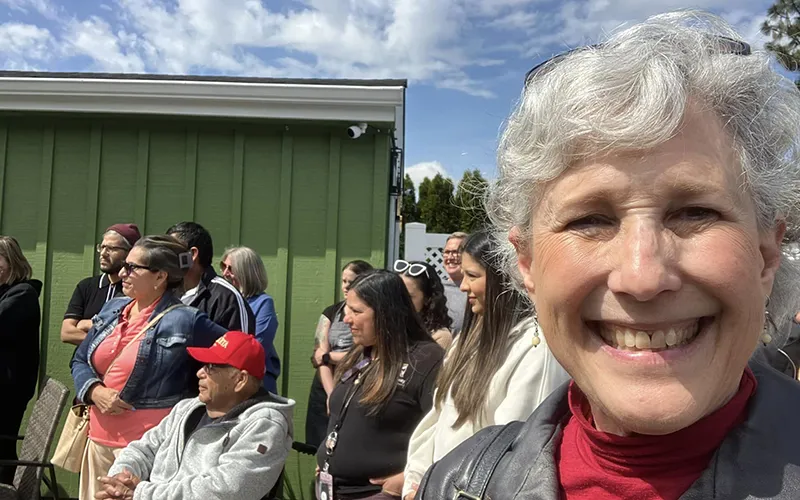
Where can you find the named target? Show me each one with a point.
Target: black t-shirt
(374, 446)
(90, 296)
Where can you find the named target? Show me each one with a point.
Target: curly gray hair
(631, 92)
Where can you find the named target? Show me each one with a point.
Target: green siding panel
(304, 197)
(118, 169)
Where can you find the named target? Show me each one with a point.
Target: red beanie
(128, 231)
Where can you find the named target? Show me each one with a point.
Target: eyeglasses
(130, 267)
(107, 248)
(727, 45)
(402, 266)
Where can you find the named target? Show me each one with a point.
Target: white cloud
(446, 43)
(42, 7)
(20, 43)
(418, 172)
(578, 22)
(94, 38)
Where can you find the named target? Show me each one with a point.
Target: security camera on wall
(355, 131)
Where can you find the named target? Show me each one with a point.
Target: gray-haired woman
(244, 269)
(126, 364)
(647, 184)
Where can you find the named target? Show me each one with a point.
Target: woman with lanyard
(384, 387)
(332, 341)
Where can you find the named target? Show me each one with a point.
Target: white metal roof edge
(290, 101)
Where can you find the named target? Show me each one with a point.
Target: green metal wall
(304, 196)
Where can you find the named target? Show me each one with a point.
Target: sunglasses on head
(403, 266)
(727, 45)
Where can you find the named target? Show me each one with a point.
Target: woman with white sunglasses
(499, 368)
(427, 293)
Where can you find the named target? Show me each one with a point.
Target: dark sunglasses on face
(727, 45)
(402, 266)
(130, 267)
(212, 367)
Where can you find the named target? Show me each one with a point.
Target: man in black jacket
(205, 290)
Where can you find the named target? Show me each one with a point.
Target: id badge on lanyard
(325, 486)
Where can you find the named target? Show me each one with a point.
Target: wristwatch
(326, 359)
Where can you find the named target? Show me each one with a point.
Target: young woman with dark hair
(427, 293)
(384, 387)
(498, 370)
(332, 340)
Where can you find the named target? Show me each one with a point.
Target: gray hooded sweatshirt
(240, 456)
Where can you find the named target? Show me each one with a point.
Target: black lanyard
(330, 442)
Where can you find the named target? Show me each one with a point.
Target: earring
(766, 338)
(536, 340)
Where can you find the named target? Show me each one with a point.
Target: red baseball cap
(237, 349)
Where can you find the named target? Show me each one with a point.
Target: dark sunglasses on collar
(729, 45)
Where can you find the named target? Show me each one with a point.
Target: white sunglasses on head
(402, 266)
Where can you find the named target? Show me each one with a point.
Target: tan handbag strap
(150, 324)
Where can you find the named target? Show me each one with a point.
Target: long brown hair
(485, 340)
(397, 328)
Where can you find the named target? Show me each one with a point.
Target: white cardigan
(528, 375)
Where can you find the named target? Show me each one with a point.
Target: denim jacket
(163, 372)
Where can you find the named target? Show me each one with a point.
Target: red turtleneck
(593, 465)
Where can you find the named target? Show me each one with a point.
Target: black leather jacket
(760, 459)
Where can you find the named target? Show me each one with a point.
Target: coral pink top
(118, 430)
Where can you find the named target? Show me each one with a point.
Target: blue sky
(464, 59)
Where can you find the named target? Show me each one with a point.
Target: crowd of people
(622, 329)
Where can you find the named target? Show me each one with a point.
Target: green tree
(409, 209)
(783, 27)
(436, 208)
(469, 201)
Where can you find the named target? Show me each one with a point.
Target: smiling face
(452, 258)
(474, 282)
(649, 275)
(361, 319)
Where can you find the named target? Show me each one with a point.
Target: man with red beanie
(230, 442)
(93, 292)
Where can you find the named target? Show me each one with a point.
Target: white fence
(425, 247)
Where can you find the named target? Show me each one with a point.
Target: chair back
(39, 436)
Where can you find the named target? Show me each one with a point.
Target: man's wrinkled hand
(118, 487)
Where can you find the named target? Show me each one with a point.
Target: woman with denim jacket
(131, 376)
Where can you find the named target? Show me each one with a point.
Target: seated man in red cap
(230, 442)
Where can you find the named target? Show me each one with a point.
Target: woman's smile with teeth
(633, 338)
